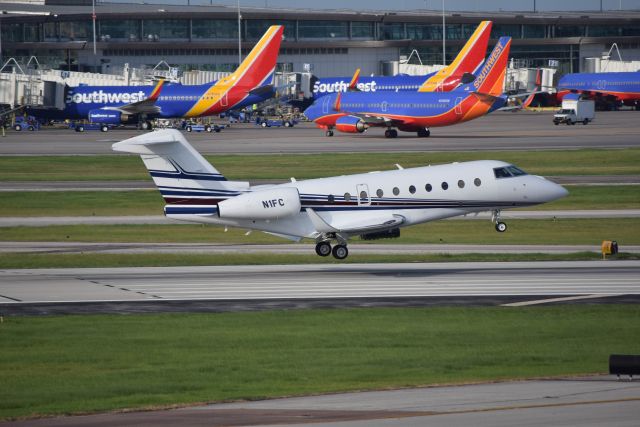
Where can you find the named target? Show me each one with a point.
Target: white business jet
(372, 205)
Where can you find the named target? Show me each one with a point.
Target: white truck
(575, 110)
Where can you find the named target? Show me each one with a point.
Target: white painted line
(546, 301)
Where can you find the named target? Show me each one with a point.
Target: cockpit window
(508, 172)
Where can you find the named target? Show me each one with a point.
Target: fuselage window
(331, 198)
(428, 187)
(461, 184)
(379, 193)
(445, 185)
(477, 182)
(396, 191)
(412, 189)
(347, 197)
(363, 195)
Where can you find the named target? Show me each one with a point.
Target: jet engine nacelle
(350, 124)
(262, 204)
(105, 116)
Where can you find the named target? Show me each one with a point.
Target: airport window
(214, 29)
(412, 189)
(444, 185)
(362, 30)
(166, 29)
(76, 30)
(257, 27)
(630, 30)
(322, 29)
(396, 191)
(347, 197)
(460, 183)
(331, 198)
(428, 187)
(569, 31)
(128, 29)
(12, 32)
(50, 31)
(510, 30)
(379, 193)
(477, 182)
(533, 31)
(394, 31)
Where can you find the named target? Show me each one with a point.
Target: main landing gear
(390, 133)
(329, 132)
(501, 227)
(339, 251)
(424, 133)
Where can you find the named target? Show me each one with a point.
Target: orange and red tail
(467, 61)
(258, 67)
(490, 79)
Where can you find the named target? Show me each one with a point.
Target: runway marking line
(546, 301)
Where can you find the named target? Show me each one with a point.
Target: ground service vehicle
(575, 110)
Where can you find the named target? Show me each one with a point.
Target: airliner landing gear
(146, 125)
(340, 251)
(501, 227)
(323, 249)
(424, 133)
(390, 133)
(329, 132)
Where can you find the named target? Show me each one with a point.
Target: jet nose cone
(555, 192)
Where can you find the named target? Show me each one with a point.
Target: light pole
(239, 36)
(93, 18)
(444, 32)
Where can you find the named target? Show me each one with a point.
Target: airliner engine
(350, 124)
(262, 204)
(105, 116)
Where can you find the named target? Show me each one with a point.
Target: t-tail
(189, 184)
(467, 62)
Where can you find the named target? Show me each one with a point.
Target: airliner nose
(555, 191)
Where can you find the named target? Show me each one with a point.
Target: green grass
(78, 364)
(283, 166)
(545, 232)
(98, 260)
(150, 202)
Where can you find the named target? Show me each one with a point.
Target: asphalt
(581, 401)
(499, 131)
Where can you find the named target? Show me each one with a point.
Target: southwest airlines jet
(459, 71)
(354, 112)
(251, 83)
(604, 87)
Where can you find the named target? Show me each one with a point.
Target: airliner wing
(147, 105)
(351, 225)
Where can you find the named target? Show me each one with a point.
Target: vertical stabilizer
(490, 79)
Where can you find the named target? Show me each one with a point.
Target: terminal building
(59, 33)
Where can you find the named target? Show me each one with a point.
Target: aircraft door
(459, 105)
(325, 104)
(383, 106)
(224, 101)
(364, 199)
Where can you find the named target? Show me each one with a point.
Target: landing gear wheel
(424, 133)
(323, 249)
(104, 128)
(340, 252)
(390, 133)
(329, 133)
(501, 227)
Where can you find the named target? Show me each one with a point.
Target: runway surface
(242, 286)
(41, 221)
(498, 131)
(586, 401)
(299, 249)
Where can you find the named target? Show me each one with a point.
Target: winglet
(336, 105)
(353, 85)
